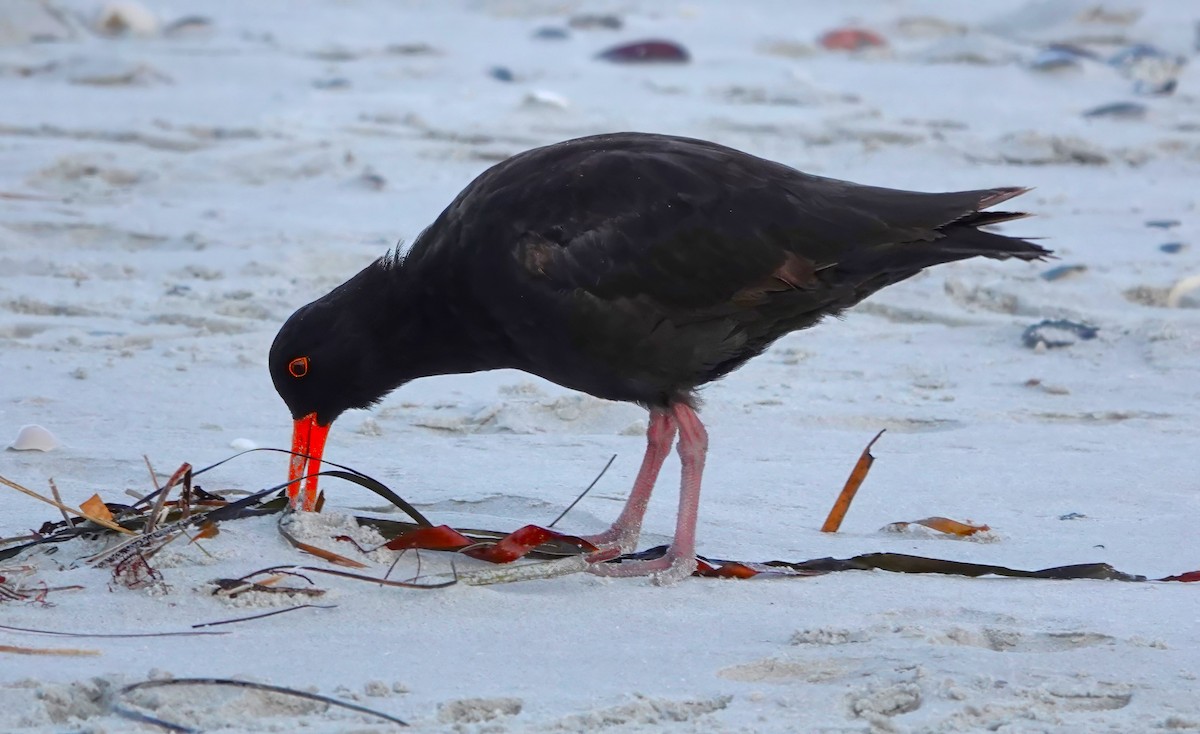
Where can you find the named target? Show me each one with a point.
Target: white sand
(167, 201)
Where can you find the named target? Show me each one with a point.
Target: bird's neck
(424, 323)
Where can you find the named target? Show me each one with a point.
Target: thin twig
(69, 652)
(110, 635)
(265, 614)
(121, 710)
(58, 498)
(583, 494)
(74, 511)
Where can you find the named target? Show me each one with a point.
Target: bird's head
(322, 364)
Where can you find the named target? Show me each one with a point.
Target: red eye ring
(298, 367)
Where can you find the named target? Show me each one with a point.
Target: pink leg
(623, 534)
(680, 559)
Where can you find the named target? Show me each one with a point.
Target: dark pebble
(1172, 248)
(1162, 223)
(551, 33)
(501, 73)
(1118, 111)
(1072, 516)
(647, 52)
(1055, 333)
(1063, 271)
(588, 21)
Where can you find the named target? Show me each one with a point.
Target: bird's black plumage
(630, 266)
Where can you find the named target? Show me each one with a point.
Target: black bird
(630, 266)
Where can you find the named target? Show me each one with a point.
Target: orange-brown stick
(853, 482)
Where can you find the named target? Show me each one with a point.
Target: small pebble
(501, 73)
(1118, 111)
(1063, 271)
(1162, 223)
(589, 21)
(333, 83)
(1056, 333)
(242, 444)
(1060, 56)
(1072, 516)
(851, 39)
(1172, 248)
(34, 438)
(647, 52)
(551, 33)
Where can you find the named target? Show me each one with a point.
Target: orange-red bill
(308, 443)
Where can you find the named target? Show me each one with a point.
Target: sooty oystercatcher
(630, 266)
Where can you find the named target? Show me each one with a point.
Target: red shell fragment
(647, 52)
(851, 39)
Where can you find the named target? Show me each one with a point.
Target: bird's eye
(298, 367)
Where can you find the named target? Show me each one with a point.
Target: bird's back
(637, 267)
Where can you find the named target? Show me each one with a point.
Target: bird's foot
(611, 543)
(671, 568)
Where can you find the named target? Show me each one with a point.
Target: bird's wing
(720, 231)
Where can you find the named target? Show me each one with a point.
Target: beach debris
(189, 26)
(120, 704)
(125, 18)
(651, 51)
(1060, 56)
(1172, 248)
(242, 444)
(546, 99)
(940, 524)
(1118, 111)
(1063, 271)
(1036, 383)
(851, 39)
(1072, 516)
(502, 74)
(596, 21)
(1057, 333)
(34, 438)
(1179, 295)
(1153, 71)
(551, 33)
(1162, 223)
(569, 554)
(841, 505)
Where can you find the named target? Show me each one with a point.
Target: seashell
(34, 438)
(647, 52)
(126, 18)
(851, 39)
(242, 444)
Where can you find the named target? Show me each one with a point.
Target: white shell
(34, 438)
(242, 444)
